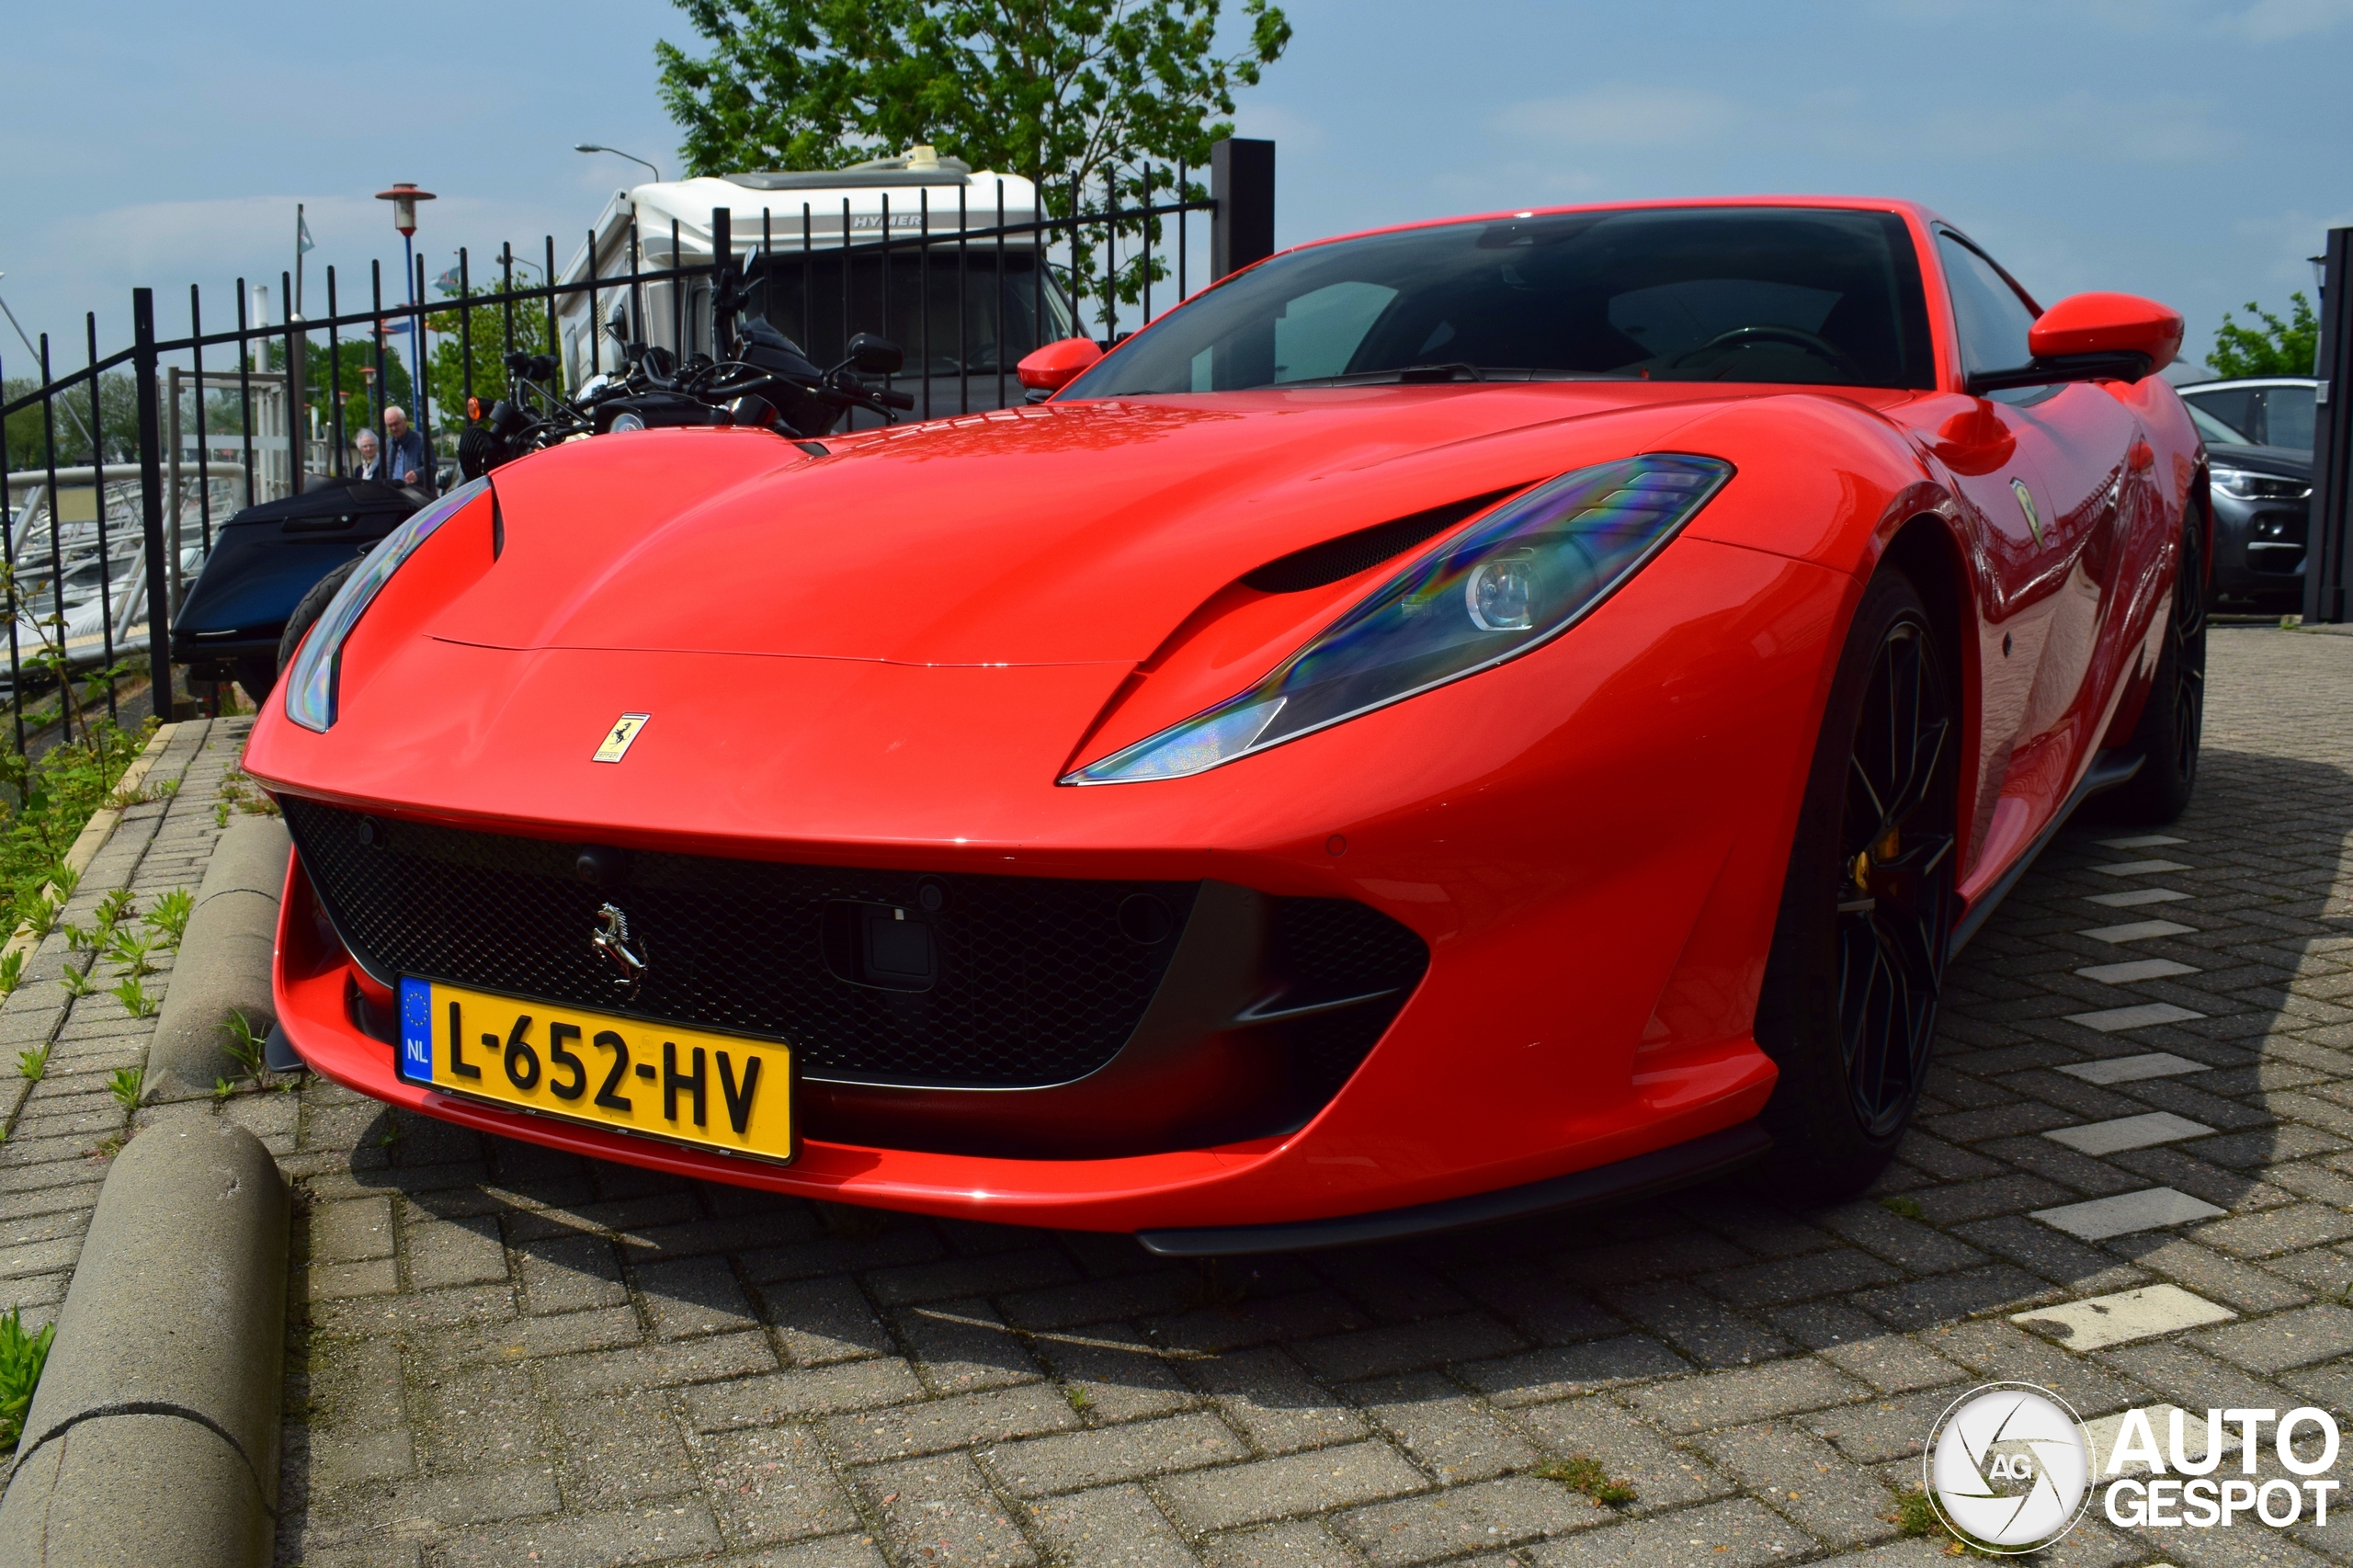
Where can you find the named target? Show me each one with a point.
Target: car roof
(1922, 215)
(2188, 387)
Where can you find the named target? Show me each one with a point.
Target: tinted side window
(2287, 416)
(1991, 319)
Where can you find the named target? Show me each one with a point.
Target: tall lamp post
(404, 195)
(616, 152)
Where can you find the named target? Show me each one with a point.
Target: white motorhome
(942, 259)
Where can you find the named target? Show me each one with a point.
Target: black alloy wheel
(1848, 1007)
(2173, 718)
(1896, 854)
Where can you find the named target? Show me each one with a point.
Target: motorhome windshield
(952, 317)
(1802, 295)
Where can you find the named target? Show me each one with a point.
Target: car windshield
(1789, 295)
(2214, 429)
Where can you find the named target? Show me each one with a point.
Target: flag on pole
(302, 241)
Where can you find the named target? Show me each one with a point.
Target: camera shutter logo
(2006, 1466)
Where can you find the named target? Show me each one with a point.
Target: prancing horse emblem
(611, 942)
(2026, 505)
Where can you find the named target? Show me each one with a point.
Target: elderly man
(363, 447)
(405, 459)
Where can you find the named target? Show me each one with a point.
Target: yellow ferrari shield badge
(2026, 505)
(621, 737)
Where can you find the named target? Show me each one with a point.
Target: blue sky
(2193, 150)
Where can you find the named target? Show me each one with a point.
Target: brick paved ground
(515, 1357)
(63, 1129)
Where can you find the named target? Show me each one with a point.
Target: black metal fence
(98, 552)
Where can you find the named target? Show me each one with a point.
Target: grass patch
(134, 999)
(33, 1063)
(168, 919)
(124, 1084)
(1079, 1400)
(1914, 1514)
(238, 789)
(1582, 1472)
(22, 1356)
(244, 1047)
(53, 798)
(1907, 1207)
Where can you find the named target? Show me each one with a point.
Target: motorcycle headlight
(2244, 485)
(1510, 583)
(311, 683)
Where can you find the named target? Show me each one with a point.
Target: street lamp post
(404, 195)
(616, 152)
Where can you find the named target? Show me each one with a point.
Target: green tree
(118, 422)
(1087, 97)
(484, 331)
(2289, 348)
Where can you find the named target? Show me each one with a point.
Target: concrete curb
(224, 961)
(154, 1436)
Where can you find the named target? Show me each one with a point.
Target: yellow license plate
(685, 1085)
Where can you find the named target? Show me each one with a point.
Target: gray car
(2262, 502)
(2270, 411)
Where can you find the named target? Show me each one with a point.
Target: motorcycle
(761, 380)
(276, 564)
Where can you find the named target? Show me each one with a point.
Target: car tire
(2173, 719)
(1848, 1010)
(309, 608)
(258, 676)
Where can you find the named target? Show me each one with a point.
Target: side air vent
(1351, 553)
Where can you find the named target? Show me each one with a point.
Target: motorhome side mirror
(1057, 365)
(2093, 337)
(873, 356)
(618, 328)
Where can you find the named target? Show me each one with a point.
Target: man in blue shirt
(405, 460)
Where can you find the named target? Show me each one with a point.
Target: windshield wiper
(1406, 375)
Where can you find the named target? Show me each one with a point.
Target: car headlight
(2244, 485)
(1509, 584)
(311, 684)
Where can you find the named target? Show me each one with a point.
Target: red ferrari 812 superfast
(1480, 716)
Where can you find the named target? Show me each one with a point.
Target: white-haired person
(405, 459)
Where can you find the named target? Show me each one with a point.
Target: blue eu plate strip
(416, 1029)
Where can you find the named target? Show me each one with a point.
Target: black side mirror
(753, 411)
(518, 363)
(618, 328)
(872, 356)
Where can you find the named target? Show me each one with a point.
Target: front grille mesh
(1036, 983)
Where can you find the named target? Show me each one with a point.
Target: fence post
(1242, 183)
(723, 262)
(2325, 536)
(150, 501)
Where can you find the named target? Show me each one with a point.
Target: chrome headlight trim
(1503, 586)
(311, 680)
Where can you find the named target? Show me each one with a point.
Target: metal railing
(118, 484)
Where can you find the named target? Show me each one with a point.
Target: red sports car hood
(1054, 534)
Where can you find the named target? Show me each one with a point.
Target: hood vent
(1352, 552)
